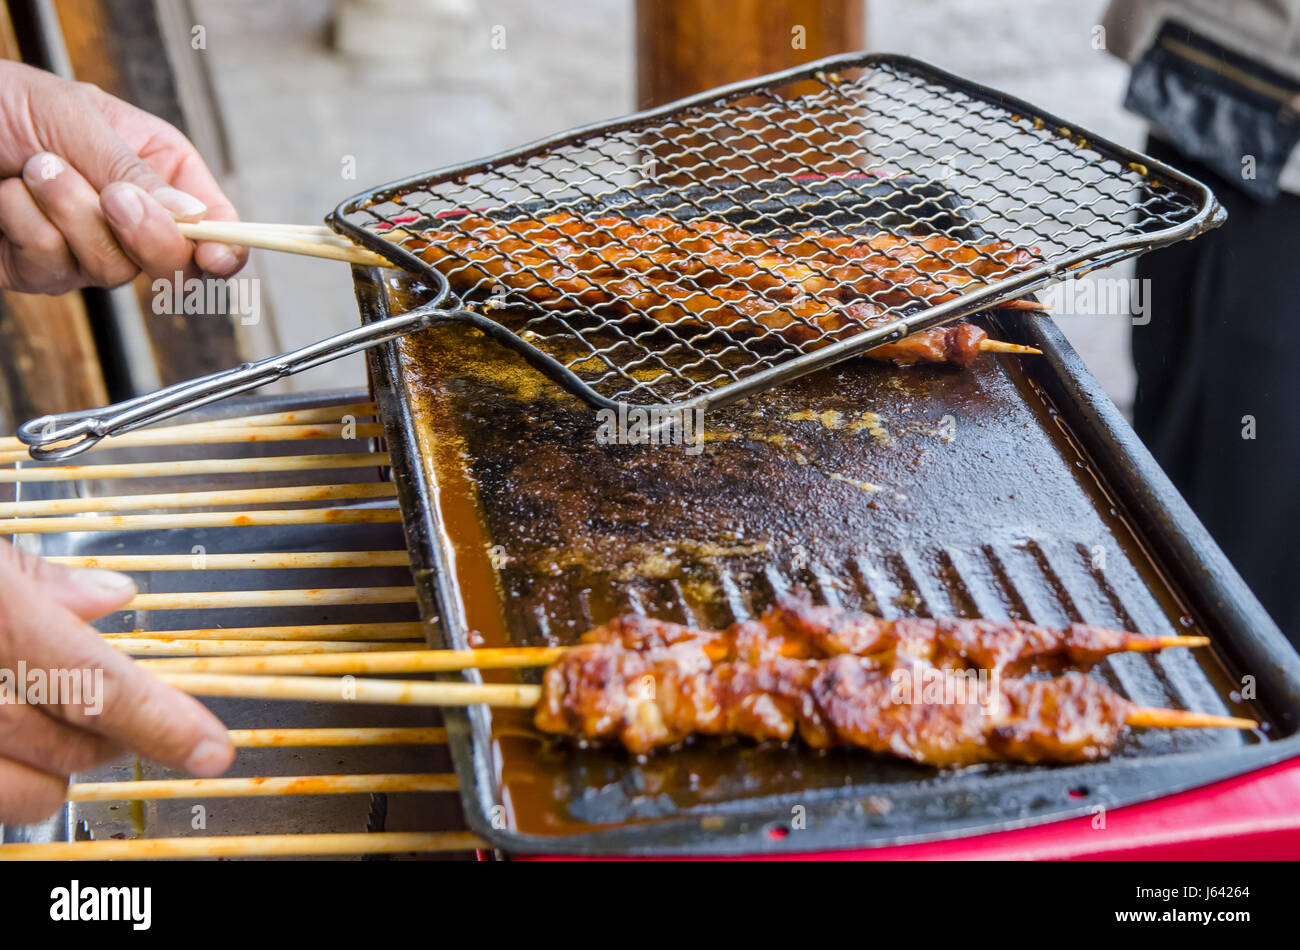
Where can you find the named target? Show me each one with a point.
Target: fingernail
(179, 203)
(123, 206)
(106, 582)
(222, 259)
(209, 757)
(44, 166)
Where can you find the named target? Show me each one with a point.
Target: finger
(191, 175)
(29, 736)
(77, 126)
(34, 257)
(136, 709)
(28, 795)
(145, 229)
(88, 593)
(72, 206)
(177, 161)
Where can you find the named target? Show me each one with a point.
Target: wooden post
(48, 360)
(118, 45)
(687, 46)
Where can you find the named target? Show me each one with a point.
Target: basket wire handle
(81, 430)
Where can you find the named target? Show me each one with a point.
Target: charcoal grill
(850, 145)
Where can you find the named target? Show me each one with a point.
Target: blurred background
(301, 103)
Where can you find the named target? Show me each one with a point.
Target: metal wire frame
(847, 146)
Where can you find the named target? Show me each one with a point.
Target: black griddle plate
(1012, 489)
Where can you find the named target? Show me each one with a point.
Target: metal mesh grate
(846, 149)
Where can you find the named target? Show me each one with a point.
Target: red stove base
(1251, 817)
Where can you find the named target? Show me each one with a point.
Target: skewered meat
(702, 274)
(657, 698)
(1070, 718)
(795, 628)
(833, 678)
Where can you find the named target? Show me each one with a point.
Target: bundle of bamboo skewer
(239, 507)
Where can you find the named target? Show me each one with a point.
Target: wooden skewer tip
(1002, 346)
(1155, 718)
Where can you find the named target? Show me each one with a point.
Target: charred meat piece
(950, 641)
(796, 628)
(1070, 718)
(703, 274)
(659, 697)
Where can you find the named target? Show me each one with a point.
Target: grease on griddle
(700, 538)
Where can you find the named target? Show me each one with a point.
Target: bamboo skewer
(249, 846)
(349, 689)
(202, 519)
(406, 661)
(236, 562)
(197, 499)
(293, 239)
(411, 630)
(1155, 718)
(324, 596)
(226, 466)
(144, 790)
(442, 661)
(142, 646)
(518, 696)
(1002, 346)
(308, 229)
(336, 413)
(217, 435)
(337, 736)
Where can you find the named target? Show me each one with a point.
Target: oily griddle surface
(917, 491)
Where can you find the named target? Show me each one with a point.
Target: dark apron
(1222, 351)
(1218, 107)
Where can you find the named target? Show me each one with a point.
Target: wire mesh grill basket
(965, 198)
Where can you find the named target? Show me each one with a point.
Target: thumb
(88, 593)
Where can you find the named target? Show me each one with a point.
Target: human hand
(43, 609)
(91, 188)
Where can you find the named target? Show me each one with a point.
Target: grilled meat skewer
(795, 628)
(833, 678)
(659, 698)
(704, 273)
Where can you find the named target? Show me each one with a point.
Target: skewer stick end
(1002, 346)
(1152, 644)
(1154, 718)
